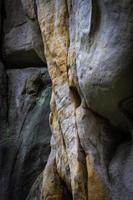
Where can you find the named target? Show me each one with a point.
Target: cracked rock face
(88, 48)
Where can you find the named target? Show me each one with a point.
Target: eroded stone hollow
(88, 47)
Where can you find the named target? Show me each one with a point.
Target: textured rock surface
(104, 73)
(24, 106)
(88, 47)
(25, 147)
(18, 45)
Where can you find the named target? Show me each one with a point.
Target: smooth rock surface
(103, 47)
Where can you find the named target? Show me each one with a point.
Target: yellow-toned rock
(83, 143)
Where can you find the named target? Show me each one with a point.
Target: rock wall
(25, 92)
(18, 39)
(87, 46)
(88, 49)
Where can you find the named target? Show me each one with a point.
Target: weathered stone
(25, 146)
(19, 42)
(31, 13)
(103, 55)
(86, 48)
(24, 108)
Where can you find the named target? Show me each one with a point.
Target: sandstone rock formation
(88, 49)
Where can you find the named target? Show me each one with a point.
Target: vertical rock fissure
(63, 106)
(71, 158)
(77, 48)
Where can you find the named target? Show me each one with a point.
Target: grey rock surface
(30, 8)
(101, 36)
(91, 41)
(120, 171)
(24, 105)
(25, 146)
(100, 76)
(103, 46)
(18, 45)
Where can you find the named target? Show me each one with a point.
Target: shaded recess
(25, 92)
(18, 48)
